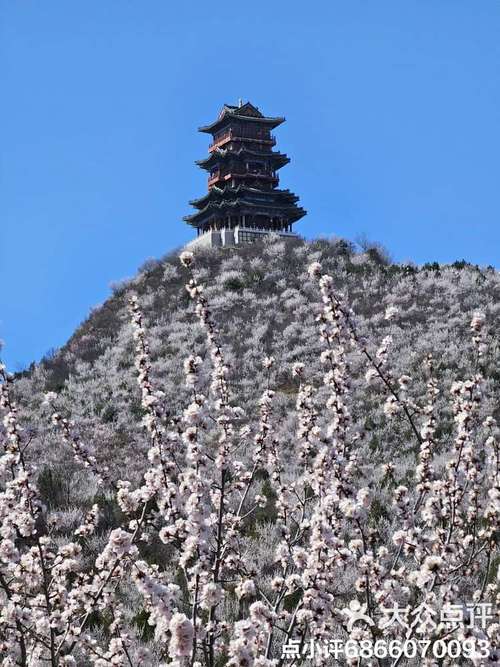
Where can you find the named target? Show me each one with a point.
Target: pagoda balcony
(233, 136)
(214, 178)
(254, 174)
(217, 176)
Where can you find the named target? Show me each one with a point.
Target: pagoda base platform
(233, 237)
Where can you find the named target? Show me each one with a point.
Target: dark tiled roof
(272, 202)
(221, 154)
(240, 191)
(247, 111)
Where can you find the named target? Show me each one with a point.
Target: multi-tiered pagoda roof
(243, 176)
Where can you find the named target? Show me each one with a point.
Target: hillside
(265, 304)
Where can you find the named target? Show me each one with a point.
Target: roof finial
(240, 102)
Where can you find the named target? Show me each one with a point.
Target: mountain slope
(264, 304)
(341, 411)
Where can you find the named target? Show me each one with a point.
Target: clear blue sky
(393, 127)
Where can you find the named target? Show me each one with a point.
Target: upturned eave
(269, 121)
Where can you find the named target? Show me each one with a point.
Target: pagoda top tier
(247, 112)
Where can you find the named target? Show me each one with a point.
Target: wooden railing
(232, 136)
(213, 178)
(217, 176)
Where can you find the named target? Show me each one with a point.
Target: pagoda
(243, 202)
